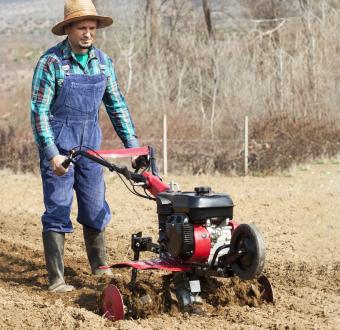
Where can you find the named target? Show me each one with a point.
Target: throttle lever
(66, 163)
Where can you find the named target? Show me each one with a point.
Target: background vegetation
(207, 65)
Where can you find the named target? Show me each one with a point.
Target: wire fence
(272, 148)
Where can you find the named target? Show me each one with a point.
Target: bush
(16, 153)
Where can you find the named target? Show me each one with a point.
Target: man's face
(81, 35)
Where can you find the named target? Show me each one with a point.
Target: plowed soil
(298, 215)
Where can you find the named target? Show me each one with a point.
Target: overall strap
(102, 62)
(65, 64)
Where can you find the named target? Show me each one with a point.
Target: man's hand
(56, 166)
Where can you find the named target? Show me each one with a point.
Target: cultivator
(197, 235)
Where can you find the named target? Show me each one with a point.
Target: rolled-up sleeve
(43, 89)
(117, 109)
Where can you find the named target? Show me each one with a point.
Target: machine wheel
(248, 238)
(112, 304)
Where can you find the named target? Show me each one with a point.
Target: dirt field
(298, 215)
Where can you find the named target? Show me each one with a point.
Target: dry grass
(15, 153)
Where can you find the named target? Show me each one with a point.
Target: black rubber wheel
(249, 239)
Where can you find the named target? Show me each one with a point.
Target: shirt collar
(68, 53)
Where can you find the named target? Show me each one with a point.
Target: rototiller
(197, 234)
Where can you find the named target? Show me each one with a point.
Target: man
(69, 84)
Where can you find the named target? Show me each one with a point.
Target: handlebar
(66, 163)
(135, 177)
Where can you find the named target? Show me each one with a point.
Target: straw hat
(78, 10)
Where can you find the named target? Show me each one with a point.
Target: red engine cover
(202, 245)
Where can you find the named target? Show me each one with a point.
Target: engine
(179, 234)
(193, 225)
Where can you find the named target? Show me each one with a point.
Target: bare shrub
(279, 142)
(16, 153)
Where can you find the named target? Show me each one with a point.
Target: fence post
(246, 145)
(165, 146)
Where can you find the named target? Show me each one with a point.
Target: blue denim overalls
(74, 121)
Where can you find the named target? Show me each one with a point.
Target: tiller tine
(112, 304)
(267, 293)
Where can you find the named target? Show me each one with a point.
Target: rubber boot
(95, 248)
(54, 256)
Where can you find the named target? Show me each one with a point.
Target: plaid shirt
(46, 85)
